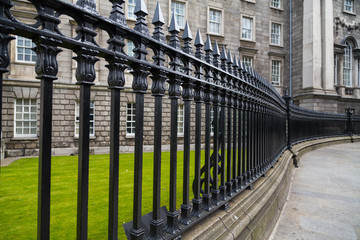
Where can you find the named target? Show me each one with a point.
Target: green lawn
(18, 194)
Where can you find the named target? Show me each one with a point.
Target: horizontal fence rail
(252, 124)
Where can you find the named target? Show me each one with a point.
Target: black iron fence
(252, 123)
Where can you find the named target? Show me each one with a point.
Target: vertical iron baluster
(207, 193)
(85, 76)
(172, 225)
(140, 86)
(158, 91)
(197, 201)
(46, 69)
(223, 195)
(229, 148)
(198, 97)
(116, 81)
(215, 184)
(187, 97)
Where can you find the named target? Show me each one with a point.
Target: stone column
(312, 47)
(327, 45)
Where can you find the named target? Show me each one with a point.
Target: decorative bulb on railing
(187, 37)
(158, 22)
(208, 50)
(216, 54)
(199, 44)
(174, 31)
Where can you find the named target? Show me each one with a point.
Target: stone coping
(253, 213)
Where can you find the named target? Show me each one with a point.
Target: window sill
(24, 139)
(350, 13)
(247, 40)
(180, 135)
(91, 137)
(215, 34)
(275, 8)
(25, 63)
(130, 136)
(275, 45)
(250, 1)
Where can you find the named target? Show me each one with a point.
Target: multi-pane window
(275, 3)
(349, 5)
(248, 61)
(179, 9)
(130, 48)
(247, 28)
(180, 119)
(130, 119)
(275, 73)
(92, 119)
(214, 21)
(275, 33)
(347, 65)
(335, 69)
(131, 8)
(24, 50)
(25, 118)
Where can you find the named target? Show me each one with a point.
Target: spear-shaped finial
(117, 12)
(141, 12)
(235, 66)
(158, 22)
(229, 62)
(208, 49)
(216, 54)
(174, 31)
(198, 44)
(223, 58)
(187, 39)
(87, 4)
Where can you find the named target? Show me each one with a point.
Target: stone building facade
(256, 31)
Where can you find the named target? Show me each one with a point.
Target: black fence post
(349, 126)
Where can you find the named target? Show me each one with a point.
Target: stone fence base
(254, 213)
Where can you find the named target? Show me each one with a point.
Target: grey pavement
(324, 199)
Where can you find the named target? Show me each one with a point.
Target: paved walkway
(324, 199)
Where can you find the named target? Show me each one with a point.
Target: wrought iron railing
(250, 133)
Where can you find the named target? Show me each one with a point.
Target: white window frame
(28, 117)
(358, 72)
(273, 4)
(251, 29)
(220, 23)
(130, 5)
(248, 60)
(130, 119)
(275, 35)
(181, 2)
(352, 6)
(180, 120)
(276, 75)
(24, 49)
(335, 69)
(130, 46)
(347, 65)
(77, 119)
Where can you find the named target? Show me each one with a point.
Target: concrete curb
(253, 213)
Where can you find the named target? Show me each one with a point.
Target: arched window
(347, 66)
